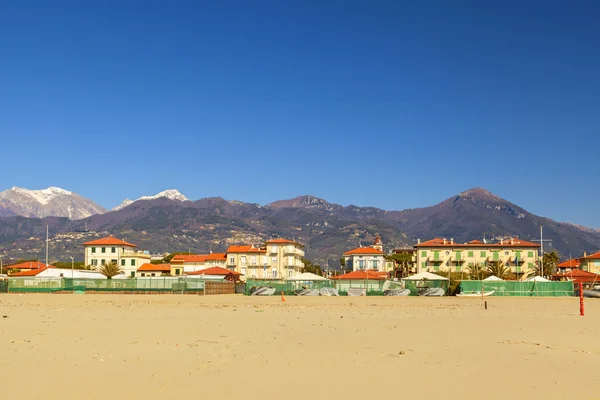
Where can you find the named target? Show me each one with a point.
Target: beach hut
(425, 280)
(538, 279)
(307, 277)
(493, 278)
(369, 281)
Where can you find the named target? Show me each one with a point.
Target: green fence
(3, 285)
(519, 288)
(133, 285)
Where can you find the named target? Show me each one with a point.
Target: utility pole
(46, 245)
(1, 255)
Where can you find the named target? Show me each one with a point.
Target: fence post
(581, 310)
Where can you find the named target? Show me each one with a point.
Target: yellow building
(112, 250)
(440, 254)
(277, 259)
(590, 263)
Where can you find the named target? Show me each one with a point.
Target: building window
(375, 265)
(482, 254)
(113, 262)
(232, 261)
(274, 274)
(252, 272)
(290, 260)
(177, 271)
(93, 249)
(361, 264)
(530, 265)
(243, 260)
(506, 253)
(530, 254)
(470, 254)
(447, 253)
(244, 271)
(122, 262)
(113, 249)
(274, 248)
(423, 253)
(103, 262)
(143, 274)
(274, 260)
(153, 274)
(132, 274)
(94, 262)
(423, 264)
(133, 262)
(290, 273)
(253, 260)
(104, 249)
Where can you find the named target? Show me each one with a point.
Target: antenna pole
(542, 247)
(46, 245)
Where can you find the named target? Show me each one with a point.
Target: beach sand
(177, 346)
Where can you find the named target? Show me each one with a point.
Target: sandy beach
(175, 346)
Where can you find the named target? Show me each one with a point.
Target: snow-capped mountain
(172, 194)
(51, 202)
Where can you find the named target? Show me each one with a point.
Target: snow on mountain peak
(172, 194)
(43, 196)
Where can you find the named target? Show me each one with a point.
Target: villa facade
(112, 250)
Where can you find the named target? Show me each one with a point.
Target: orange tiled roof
(155, 267)
(245, 249)
(109, 241)
(594, 256)
(363, 250)
(574, 263)
(195, 258)
(27, 265)
(360, 275)
(214, 271)
(216, 257)
(283, 241)
(31, 272)
(439, 242)
(578, 275)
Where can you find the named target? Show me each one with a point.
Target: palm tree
(499, 270)
(109, 270)
(477, 271)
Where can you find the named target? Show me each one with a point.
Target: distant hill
(162, 224)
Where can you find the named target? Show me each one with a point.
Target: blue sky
(382, 103)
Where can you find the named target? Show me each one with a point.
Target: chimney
(418, 241)
(501, 241)
(444, 240)
(452, 241)
(512, 240)
(585, 254)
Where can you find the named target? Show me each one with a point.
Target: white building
(366, 258)
(112, 250)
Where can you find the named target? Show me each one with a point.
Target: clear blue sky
(384, 103)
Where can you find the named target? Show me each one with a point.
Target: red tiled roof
(195, 258)
(109, 241)
(245, 249)
(578, 275)
(216, 257)
(31, 272)
(363, 250)
(574, 263)
(155, 267)
(27, 265)
(360, 275)
(214, 271)
(439, 242)
(594, 256)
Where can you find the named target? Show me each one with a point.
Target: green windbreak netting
(518, 288)
(287, 287)
(159, 284)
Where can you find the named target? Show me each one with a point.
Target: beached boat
(476, 294)
(591, 293)
(431, 292)
(396, 292)
(263, 291)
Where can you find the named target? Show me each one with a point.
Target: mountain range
(170, 222)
